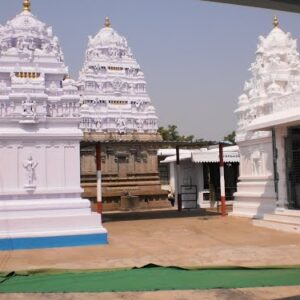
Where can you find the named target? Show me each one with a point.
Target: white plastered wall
(255, 194)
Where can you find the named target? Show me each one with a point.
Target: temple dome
(26, 22)
(25, 33)
(277, 41)
(108, 37)
(277, 38)
(108, 43)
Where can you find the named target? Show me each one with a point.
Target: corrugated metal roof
(172, 158)
(206, 157)
(172, 151)
(213, 157)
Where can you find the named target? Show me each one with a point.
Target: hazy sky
(195, 55)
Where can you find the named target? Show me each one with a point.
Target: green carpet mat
(147, 279)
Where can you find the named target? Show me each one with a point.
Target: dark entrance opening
(211, 178)
(292, 150)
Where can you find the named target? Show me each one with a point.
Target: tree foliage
(230, 137)
(171, 134)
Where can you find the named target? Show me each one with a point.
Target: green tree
(230, 137)
(171, 134)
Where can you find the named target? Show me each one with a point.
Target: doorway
(292, 152)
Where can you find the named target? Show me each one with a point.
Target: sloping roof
(172, 151)
(230, 154)
(225, 149)
(213, 157)
(172, 158)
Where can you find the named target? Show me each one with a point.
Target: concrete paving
(191, 239)
(290, 292)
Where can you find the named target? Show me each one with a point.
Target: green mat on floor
(150, 278)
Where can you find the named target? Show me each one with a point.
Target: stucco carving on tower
(271, 95)
(275, 82)
(113, 84)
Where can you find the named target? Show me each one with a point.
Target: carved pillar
(281, 134)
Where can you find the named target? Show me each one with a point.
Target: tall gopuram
(269, 134)
(116, 111)
(40, 193)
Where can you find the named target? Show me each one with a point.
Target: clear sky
(195, 55)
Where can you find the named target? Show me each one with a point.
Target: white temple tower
(268, 126)
(113, 88)
(40, 202)
(116, 111)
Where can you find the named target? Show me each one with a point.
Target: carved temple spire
(107, 22)
(275, 21)
(26, 5)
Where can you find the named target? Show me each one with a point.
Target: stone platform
(284, 220)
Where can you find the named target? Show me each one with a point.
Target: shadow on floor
(157, 214)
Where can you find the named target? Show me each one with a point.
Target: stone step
(67, 222)
(43, 213)
(282, 218)
(287, 227)
(43, 204)
(288, 212)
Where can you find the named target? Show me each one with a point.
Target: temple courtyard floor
(169, 238)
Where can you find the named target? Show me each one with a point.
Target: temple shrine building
(116, 112)
(268, 135)
(40, 193)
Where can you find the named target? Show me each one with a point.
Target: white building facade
(40, 202)
(198, 175)
(268, 134)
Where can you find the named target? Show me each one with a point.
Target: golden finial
(107, 22)
(275, 21)
(26, 5)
